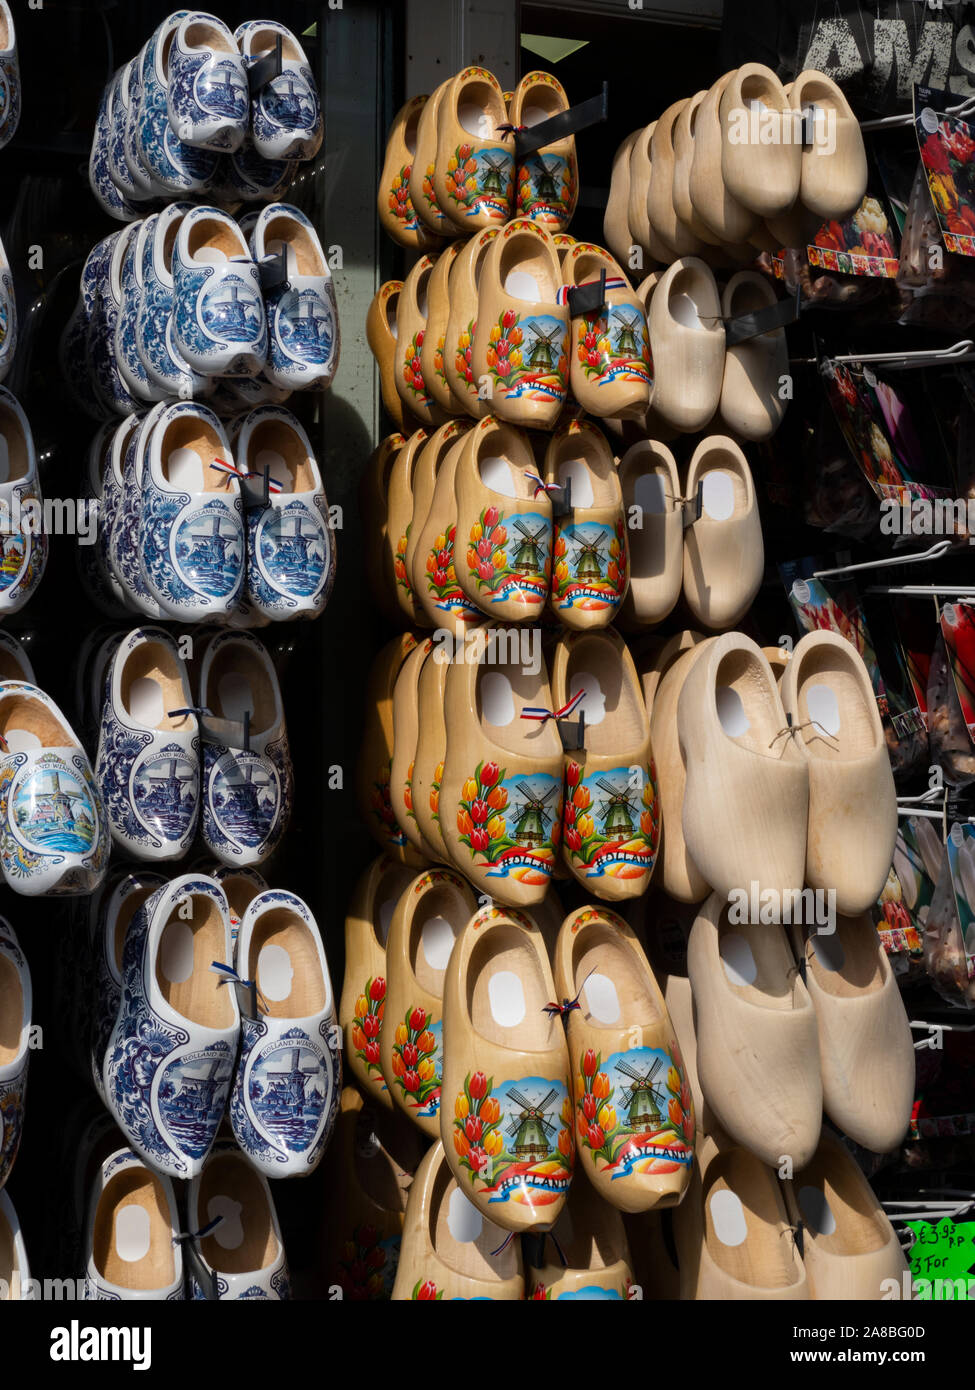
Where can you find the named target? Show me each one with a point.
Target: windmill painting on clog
(302, 315)
(169, 1060)
(474, 173)
(286, 114)
(590, 572)
(15, 1025)
(548, 180)
(175, 167)
(53, 829)
(219, 327)
(208, 96)
(289, 1074)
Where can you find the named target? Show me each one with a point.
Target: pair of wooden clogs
(745, 167)
(450, 167)
(417, 491)
(746, 1233)
(714, 555)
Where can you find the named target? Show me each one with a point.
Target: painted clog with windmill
(397, 215)
(585, 1256)
(590, 571)
(474, 174)
(124, 552)
(611, 819)
(363, 1003)
(500, 799)
(148, 764)
(240, 885)
(408, 715)
(55, 830)
(546, 182)
(9, 76)
(207, 95)
(651, 497)
(247, 776)
(285, 111)
(373, 769)
(15, 1035)
(449, 1250)
(219, 324)
(436, 590)
(24, 545)
(610, 367)
(125, 347)
(462, 319)
(131, 1245)
(520, 344)
(289, 1073)
(238, 1251)
(504, 524)
(633, 1107)
(429, 917)
(174, 167)
(506, 1119)
(169, 1060)
(290, 542)
(299, 301)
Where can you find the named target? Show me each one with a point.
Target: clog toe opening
(766, 1257)
(450, 904)
(507, 952)
(836, 1205)
(202, 34)
(228, 1182)
(758, 966)
(24, 712)
(201, 997)
(155, 662)
(282, 931)
(277, 437)
(471, 1258)
(304, 244)
(123, 920)
(599, 951)
(155, 1267)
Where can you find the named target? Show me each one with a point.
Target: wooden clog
(422, 194)
(503, 548)
(506, 1121)
(642, 231)
(685, 127)
(757, 1052)
(397, 214)
(435, 331)
(688, 343)
(563, 243)
(833, 177)
(852, 799)
(616, 227)
(430, 914)
(369, 1169)
(661, 204)
(609, 354)
(866, 1051)
(849, 1248)
(655, 529)
(611, 817)
(590, 573)
(521, 339)
(376, 752)
(501, 796)
(657, 657)
(411, 325)
(633, 1105)
(722, 213)
(462, 288)
(449, 1251)
(677, 873)
(778, 658)
(733, 1234)
(588, 1256)
(724, 557)
(755, 371)
(364, 987)
(379, 556)
(399, 524)
(763, 175)
(547, 182)
(436, 591)
(381, 337)
(669, 926)
(431, 753)
(474, 174)
(406, 725)
(425, 471)
(747, 792)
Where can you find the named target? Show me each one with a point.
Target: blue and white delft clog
(9, 76)
(191, 526)
(290, 543)
(138, 173)
(110, 915)
(124, 556)
(289, 1074)
(107, 193)
(15, 664)
(8, 315)
(132, 1251)
(302, 315)
(174, 167)
(242, 1257)
(128, 360)
(118, 117)
(16, 1269)
(247, 793)
(105, 377)
(53, 830)
(148, 764)
(250, 178)
(219, 327)
(208, 95)
(286, 114)
(73, 356)
(113, 483)
(15, 1013)
(169, 1061)
(240, 885)
(23, 540)
(94, 579)
(154, 325)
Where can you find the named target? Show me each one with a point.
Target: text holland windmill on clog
(590, 572)
(473, 178)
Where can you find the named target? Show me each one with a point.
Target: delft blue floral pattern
(191, 554)
(181, 168)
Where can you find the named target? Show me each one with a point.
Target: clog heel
(285, 113)
(245, 1259)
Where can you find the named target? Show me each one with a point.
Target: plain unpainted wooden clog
(833, 177)
(642, 231)
(685, 127)
(397, 214)
(435, 332)
(610, 366)
(656, 658)
(462, 287)
(376, 752)
(616, 227)
(655, 530)
(761, 174)
(687, 339)
(588, 1256)
(590, 571)
(633, 1107)
(755, 371)
(474, 174)
(724, 555)
(661, 205)
(677, 873)
(722, 213)
(546, 182)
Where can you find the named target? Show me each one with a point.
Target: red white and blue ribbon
(540, 484)
(542, 716)
(222, 466)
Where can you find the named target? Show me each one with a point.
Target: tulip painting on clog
(527, 357)
(418, 1062)
(613, 346)
(367, 1023)
(590, 566)
(634, 1111)
(511, 565)
(442, 584)
(481, 183)
(611, 821)
(514, 825)
(515, 1140)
